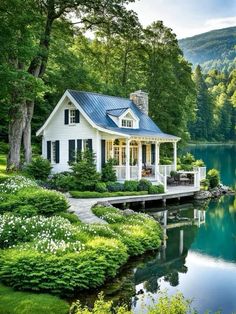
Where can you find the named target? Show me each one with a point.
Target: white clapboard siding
(57, 130)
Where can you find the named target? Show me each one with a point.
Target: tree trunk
(27, 132)
(16, 126)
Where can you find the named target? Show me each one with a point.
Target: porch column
(127, 165)
(112, 149)
(157, 159)
(139, 160)
(175, 155)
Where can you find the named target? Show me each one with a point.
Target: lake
(199, 256)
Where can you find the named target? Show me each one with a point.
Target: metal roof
(96, 106)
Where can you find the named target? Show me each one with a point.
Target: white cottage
(113, 127)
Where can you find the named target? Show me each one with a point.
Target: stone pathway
(82, 208)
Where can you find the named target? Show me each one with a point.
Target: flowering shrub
(45, 202)
(16, 183)
(14, 230)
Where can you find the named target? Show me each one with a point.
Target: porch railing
(166, 169)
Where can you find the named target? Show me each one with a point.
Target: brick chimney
(140, 99)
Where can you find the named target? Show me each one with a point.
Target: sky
(187, 17)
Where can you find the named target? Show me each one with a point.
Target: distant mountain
(212, 50)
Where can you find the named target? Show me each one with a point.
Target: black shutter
(153, 153)
(79, 146)
(144, 149)
(49, 150)
(57, 152)
(90, 144)
(77, 116)
(103, 152)
(66, 116)
(71, 150)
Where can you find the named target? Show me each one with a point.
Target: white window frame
(127, 123)
(72, 116)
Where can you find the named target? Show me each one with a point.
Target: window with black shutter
(90, 144)
(71, 150)
(57, 152)
(77, 116)
(103, 152)
(66, 116)
(49, 150)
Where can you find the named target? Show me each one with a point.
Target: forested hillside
(212, 50)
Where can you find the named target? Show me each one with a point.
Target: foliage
(131, 185)
(13, 184)
(44, 201)
(113, 250)
(63, 181)
(115, 186)
(73, 218)
(57, 274)
(108, 172)
(88, 194)
(139, 232)
(175, 304)
(39, 168)
(15, 302)
(213, 177)
(101, 187)
(156, 189)
(187, 159)
(84, 171)
(143, 185)
(15, 230)
(100, 306)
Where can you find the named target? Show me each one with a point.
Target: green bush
(84, 171)
(143, 185)
(108, 172)
(26, 210)
(111, 215)
(205, 184)
(39, 168)
(187, 159)
(13, 184)
(15, 302)
(156, 189)
(101, 187)
(63, 181)
(114, 251)
(131, 185)
(115, 186)
(51, 273)
(199, 163)
(44, 201)
(214, 178)
(175, 304)
(73, 218)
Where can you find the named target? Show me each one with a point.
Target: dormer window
(127, 123)
(72, 116)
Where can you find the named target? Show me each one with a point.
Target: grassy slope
(3, 165)
(15, 302)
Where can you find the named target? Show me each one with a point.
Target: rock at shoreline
(202, 195)
(214, 193)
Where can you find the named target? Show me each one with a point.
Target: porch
(139, 158)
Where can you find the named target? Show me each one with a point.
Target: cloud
(221, 22)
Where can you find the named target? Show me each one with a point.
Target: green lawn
(88, 194)
(15, 302)
(3, 161)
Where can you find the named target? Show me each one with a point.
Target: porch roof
(144, 133)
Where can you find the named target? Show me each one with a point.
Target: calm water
(199, 257)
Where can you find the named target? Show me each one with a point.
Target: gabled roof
(97, 108)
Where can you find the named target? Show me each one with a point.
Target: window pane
(72, 116)
(54, 152)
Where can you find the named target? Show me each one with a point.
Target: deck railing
(166, 169)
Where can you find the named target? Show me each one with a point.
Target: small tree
(108, 171)
(214, 177)
(39, 168)
(84, 171)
